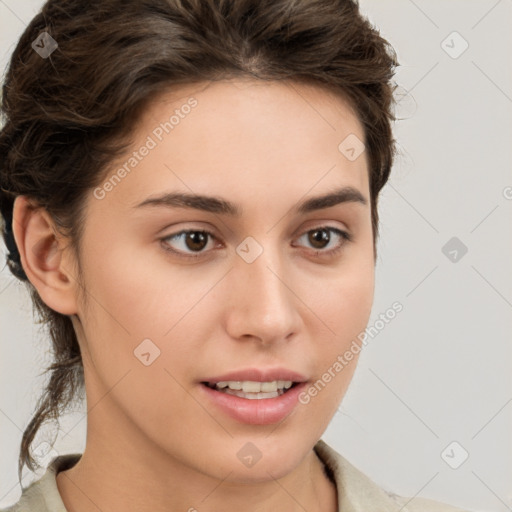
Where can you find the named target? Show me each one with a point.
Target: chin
(252, 460)
(261, 472)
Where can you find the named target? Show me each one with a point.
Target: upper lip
(258, 375)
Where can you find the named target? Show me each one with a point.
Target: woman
(189, 190)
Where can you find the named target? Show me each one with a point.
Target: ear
(44, 257)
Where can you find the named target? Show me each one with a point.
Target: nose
(262, 304)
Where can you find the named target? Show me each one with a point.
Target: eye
(192, 239)
(321, 236)
(196, 240)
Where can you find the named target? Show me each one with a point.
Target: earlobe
(42, 256)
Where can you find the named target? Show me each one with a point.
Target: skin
(153, 441)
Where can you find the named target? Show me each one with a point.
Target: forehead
(242, 135)
(242, 95)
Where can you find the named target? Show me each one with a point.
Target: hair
(67, 116)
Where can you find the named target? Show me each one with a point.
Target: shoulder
(31, 500)
(358, 493)
(42, 495)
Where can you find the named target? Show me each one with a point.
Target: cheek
(141, 312)
(139, 293)
(354, 302)
(344, 305)
(342, 302)
(351, 313)
(136, 346)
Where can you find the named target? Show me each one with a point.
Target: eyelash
(346, 237)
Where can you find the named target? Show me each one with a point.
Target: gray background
(440, 371)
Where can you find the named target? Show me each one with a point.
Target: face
(260, 284)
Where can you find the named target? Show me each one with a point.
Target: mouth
(256, 396)
(253, 402)
(252, 390)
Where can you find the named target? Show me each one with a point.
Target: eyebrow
(218, 205)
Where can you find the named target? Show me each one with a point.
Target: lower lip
(264, 411)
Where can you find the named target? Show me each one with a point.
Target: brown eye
(190, 241)
(196, 240)
(193, 242)
(320, 238)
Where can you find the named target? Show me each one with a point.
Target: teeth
(249, 386)
(269, 386)
(252, 396)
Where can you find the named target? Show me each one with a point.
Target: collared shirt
(356, 491)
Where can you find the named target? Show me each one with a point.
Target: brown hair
(68, 114)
